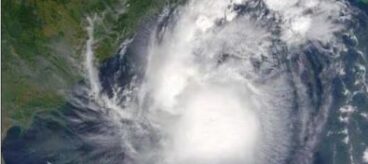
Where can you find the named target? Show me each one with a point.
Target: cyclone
(218, 74)
(217, 82)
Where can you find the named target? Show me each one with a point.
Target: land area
(43, 43)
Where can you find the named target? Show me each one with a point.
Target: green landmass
(43, 43)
